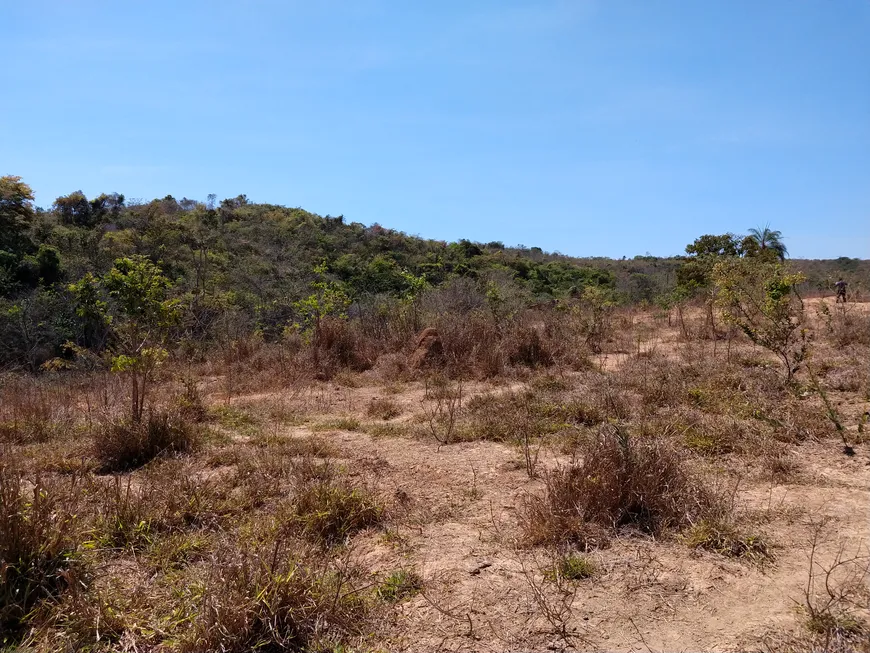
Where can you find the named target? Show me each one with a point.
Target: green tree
(16, 215)
(764, 240)
(694, 276)
(709, 245)
(139, 313)
(761, 299)
(329, 299)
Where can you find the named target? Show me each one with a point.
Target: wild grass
(123, 445)
(327, 509)
(722, 537)
(39, 540)
(279, 598)
(241, 540)
(399, 585)
(573, 566)
(382, 408)
(617, 481)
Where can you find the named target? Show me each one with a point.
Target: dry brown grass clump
(617, 481)
(123, 445)
(167, 499)
(277, 598)
(382, 408)
(327, 508)
(32, 411)
(38, 541)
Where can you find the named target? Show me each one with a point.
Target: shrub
(760, 299)
(617, 481)
(37, 545)
(189, 402)
(525, 346)
(126, 445)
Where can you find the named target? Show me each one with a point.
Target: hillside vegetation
(235, 427)
(242, 268)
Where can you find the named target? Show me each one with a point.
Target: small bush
(189, 402)
(38, 542)
(617, 481)
(399, 585)
(525, 346)
(384, 409)
(392, 367)
(123, 445)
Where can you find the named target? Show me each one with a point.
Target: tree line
(254, 265)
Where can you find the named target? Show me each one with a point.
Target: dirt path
(458, 508)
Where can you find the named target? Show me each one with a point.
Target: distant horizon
(578, 126)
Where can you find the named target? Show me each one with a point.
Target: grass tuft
(123, 445)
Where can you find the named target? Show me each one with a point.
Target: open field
(665, 493)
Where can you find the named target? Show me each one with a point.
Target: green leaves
(328, 299)
(139, 288)
(760, 298)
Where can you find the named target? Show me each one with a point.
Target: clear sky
(597, 127)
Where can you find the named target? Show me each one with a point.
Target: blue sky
(590, 127)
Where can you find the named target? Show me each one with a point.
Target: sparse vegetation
(382, 408)
(617, 481)
(574, 567)
(282, 467)
(39, 539)
(327, 509)
(399, 585)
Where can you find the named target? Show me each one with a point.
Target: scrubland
(618, 481)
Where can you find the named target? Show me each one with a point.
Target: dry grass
(276, 598)
(327, 509)
(122, 445)
(382, 408)
(261, 535)
(617, 481)
(39, 533)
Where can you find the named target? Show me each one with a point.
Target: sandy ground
(458, 505)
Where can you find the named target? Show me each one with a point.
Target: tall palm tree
(767, 238)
